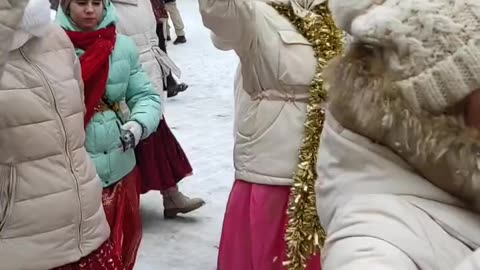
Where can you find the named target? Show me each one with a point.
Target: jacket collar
(19, 39)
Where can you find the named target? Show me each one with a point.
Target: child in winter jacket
(160, 158)
(112, 74)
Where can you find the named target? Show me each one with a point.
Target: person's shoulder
(126, 43)
(127, 46)
(54, 42)
(55, 31)
(56, 36)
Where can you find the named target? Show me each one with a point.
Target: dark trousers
(162, 43)
(161, 38)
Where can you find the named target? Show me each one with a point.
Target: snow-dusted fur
(365, 100)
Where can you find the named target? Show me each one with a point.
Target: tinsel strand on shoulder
(304, 235)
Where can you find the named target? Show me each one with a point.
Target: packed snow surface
(202, 120)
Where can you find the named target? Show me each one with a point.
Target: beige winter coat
(471, 263)
(379, 213)
(11, 12)
(137, 21)
(51, 210)
(277, 67)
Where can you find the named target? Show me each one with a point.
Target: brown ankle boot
(174, 202)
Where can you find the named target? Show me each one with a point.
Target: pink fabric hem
(254, 228)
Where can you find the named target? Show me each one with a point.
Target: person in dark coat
(159, 9)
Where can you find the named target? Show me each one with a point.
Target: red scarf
(98, 46)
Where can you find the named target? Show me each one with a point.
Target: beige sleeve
(11, 12)
(231, 21)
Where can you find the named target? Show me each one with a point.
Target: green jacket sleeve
(143, 101)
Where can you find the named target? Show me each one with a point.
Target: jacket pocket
(8, 183)
(296, 59)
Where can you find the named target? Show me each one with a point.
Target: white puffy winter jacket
(378, 213)
(277, 67)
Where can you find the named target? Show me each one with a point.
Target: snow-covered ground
(202, 119)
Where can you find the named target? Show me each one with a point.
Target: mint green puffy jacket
(127, 82)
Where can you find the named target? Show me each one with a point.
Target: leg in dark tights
(161, 38)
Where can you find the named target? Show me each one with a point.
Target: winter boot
(173, 88)
(180, 39)
(174, 202)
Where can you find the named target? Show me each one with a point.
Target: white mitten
(36, 18)
(135, 128)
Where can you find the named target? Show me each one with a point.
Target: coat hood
(109, 18)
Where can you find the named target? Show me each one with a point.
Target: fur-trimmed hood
(440, 147)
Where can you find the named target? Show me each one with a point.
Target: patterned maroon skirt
(161, 160)
(104, 258)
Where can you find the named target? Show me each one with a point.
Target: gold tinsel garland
(304, 235)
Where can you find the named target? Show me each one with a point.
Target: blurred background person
(178, 25)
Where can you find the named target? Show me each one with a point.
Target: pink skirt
(254, 229)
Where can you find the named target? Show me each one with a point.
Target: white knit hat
(432, 47)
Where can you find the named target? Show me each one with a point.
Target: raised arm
(11, 12)
(232, 22)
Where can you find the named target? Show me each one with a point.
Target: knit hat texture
(65, 4)
(431, 47)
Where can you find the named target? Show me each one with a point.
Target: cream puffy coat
(11, 12)
(471, 263)
(137, 21)
(51, 211)
(276, 69)
(378, 213)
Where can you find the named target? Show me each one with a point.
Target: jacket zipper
(67, 152)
